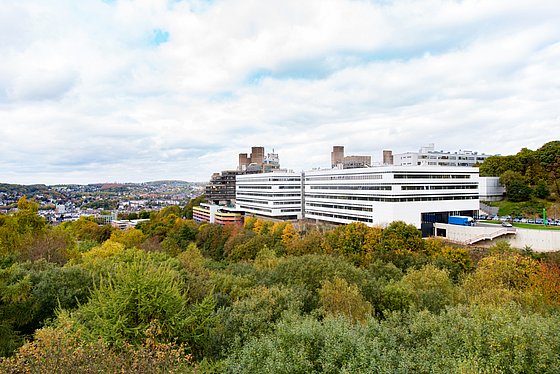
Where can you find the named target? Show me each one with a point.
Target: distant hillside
(528, 173)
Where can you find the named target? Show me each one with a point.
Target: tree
(340, 298)
(138, 296)
(130, 238)
(516, 187)
(289, 234)
(430, 288)
(188, 210)
(401, 236)
(356, 241)
(541, 190)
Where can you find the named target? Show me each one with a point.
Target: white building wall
(491, 189)
(275, 194)
(380, 195)
(537, 240)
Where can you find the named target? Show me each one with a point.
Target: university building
(428, 156)
(274, 195)
(380, 195)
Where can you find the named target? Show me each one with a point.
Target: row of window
(344, 177)
(275, 179)
(432, 176)
(266, 202)
(254, 187)
(268, 194)
(253, 208)
(341, 216)
(446, 187)
(392, 199)
(344, 207)
(261, 187)
(358, 187)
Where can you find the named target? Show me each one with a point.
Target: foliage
(429, 288)
(31, 292)
(527, 169)
(136, 296)
(252, 315)
(59, 350)
(517, 188)
(273, 297)
(310, 243)
(195, 276)
(86, 229)
(188, 210)
(461, 339)
(356, 241)
(340, 298)
(130, 238)
(180, 236)
(309, 272)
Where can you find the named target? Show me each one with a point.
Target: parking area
(552, 221)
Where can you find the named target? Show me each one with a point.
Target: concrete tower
(257, 155)
(337, 155)
(387, 157)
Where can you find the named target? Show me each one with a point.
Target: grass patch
(535, 226)
(532, 208)
(531, 226)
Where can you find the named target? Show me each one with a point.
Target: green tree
(140, 295)
(541, 190)
(340, 298)
(130, 238)
(516, 187)
(188, 210)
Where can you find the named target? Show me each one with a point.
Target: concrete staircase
(491, 235)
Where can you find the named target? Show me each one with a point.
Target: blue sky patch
(159, 36)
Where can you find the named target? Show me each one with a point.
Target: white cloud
(87, 94)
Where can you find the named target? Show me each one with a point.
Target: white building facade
(274, 195)
(428, 156)
(491, 189)
(381, 195)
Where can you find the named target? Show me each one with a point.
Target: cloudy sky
(131, 91)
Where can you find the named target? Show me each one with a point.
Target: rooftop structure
(256, 161)
(338, 160)
(221, 188)
(428, 156)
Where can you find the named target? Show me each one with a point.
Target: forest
(528, 174)
(175, 296)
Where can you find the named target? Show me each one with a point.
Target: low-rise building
(274, 195)
(217, 214)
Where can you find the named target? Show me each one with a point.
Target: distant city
(106, 201)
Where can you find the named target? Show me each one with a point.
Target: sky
(132, 91)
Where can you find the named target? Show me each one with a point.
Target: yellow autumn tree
(340, 298)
